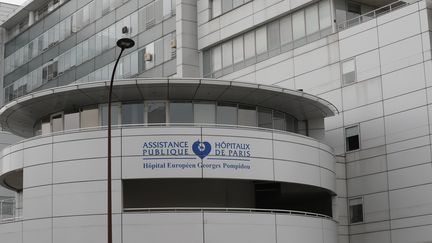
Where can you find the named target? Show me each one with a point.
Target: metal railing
(225, 210)
(8, 210)
(372, 14)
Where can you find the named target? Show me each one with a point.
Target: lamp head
(125, 43)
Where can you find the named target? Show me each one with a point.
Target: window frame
(344, 83)
(349, 210)
(359, 138)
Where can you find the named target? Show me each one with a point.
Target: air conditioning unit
(125, 30)
(148, 57)
(173, 43)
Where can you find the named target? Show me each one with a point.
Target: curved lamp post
(123, 43)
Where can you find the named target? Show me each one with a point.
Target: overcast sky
(18, 2)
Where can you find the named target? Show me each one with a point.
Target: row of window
(39, 14)
(160, 112)
(284, 34)
(155, 53)
(219, 7)
(143, 19)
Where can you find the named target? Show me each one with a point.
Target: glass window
(312, 24)
(227, 5)
(216, 7)
(71, 121)
(227, 54)
(150, 16)
(115, 114)
(265, 118)
(205, 113)
(89, 117)
(133, 30)
(149, 56)
(57, 122)
(46, 126)
(247, 115)
(207, 63)
(217, 58)
(249, 45)
(237, 3)
(238, 49)
(261, 40)
(273, 38)
(166, 8)
(356, 210)
(167, 47)
(352, 138)
(290, 123)
(132, 113)
(279, 121)
(324, 14)
(181, 112)
(286, 30)
(156, 112)
(348, 71)
(298, 23)
(226, 114)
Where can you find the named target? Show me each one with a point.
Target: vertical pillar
(187, 39)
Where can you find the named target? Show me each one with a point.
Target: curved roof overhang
(20, 115)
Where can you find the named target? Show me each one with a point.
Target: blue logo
(201, 149)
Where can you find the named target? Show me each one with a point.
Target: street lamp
(123, 43)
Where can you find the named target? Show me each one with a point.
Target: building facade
(234, 121)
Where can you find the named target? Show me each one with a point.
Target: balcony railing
(9, 211)
(371, 15)
(225, 210)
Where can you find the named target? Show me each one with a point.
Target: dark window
(352, 138)
(356, 210)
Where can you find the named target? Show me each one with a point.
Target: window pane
(132, 113)
(216, 8)
(181, 112)
(115, 114)
(273, 37)
(156, 112)
(166, 8)
(247, 116)
(238, 49)
(227, 5)
(207, 63)
(71, 121)
(149, 56)
(356, 210)
(348, 71)
(352, 138)
(46, 127)
(279, 121)
(227, 54)
(57, 123)
(249, 45)
(265, 118)
(298, 25)
(205, 113)
(237, 3)
(217, 58)
(261, 40)
(290, 123)
(324, 14)
(227, 114)
(286, 30)
(89, 117)
(312, 24)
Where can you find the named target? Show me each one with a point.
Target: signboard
(201, 154)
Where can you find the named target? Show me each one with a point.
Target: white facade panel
(37, 231)
(406, 125)
(359, 43)
(401, 54)
(396, 83)
(411, 201)
(407, 26)
(37, 202)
